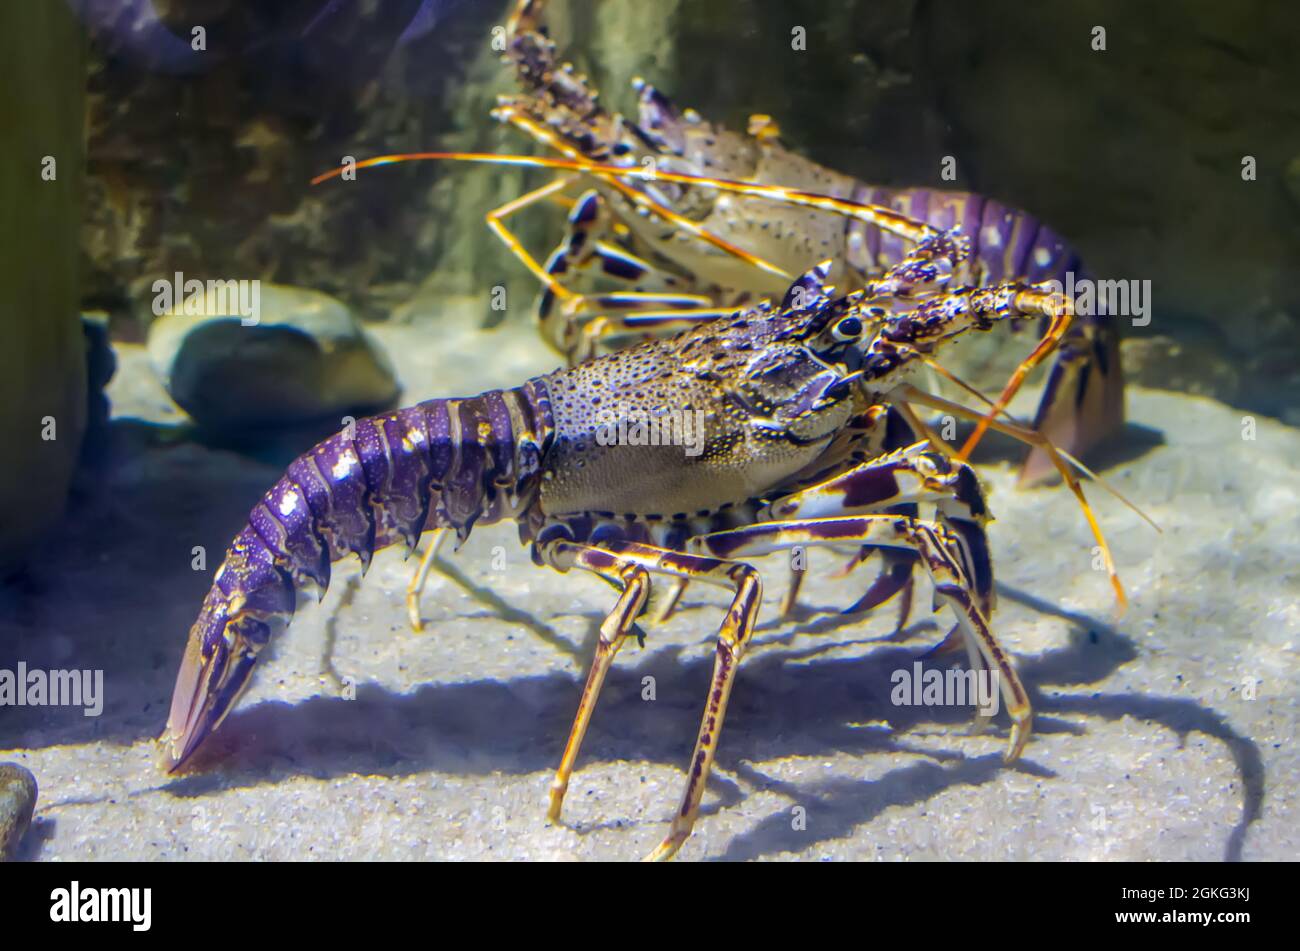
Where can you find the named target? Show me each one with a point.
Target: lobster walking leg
(416, 585)
(938, 547)
(893, 485)
(647, 203)
(895, 578)
(573, 325)
(496, 223)
(670, 600)
(733, 639)
(614, 630)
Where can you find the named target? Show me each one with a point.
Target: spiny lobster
(803, 445)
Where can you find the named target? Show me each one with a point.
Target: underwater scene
(537, 430)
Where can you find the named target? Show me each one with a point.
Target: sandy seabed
(1167, 733)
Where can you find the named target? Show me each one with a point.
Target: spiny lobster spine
(381, 480)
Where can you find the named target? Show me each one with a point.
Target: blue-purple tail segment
(382, 480)
(1083, 401)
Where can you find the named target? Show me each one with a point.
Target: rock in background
(300, 357)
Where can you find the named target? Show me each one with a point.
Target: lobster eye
(850, 328)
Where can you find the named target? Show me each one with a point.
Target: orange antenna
(886, 218)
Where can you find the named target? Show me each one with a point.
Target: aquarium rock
(281, 356)
(17, 800)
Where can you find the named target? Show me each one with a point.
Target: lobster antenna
(1060, 323)
(911, 394)
(889, 220)
(1071, 459)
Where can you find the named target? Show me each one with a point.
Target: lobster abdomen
(381, 480)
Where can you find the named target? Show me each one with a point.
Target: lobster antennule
(382, 480)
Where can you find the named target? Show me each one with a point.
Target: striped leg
(647, 314)
(939, 548)
(507, 112)
(733, 640)
(892, 433)
(573, 322)
(582, 324)
(614, 630)
(496, 222)
(895, 578)
(894, 485)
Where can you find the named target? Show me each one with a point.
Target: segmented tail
(382, 480)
